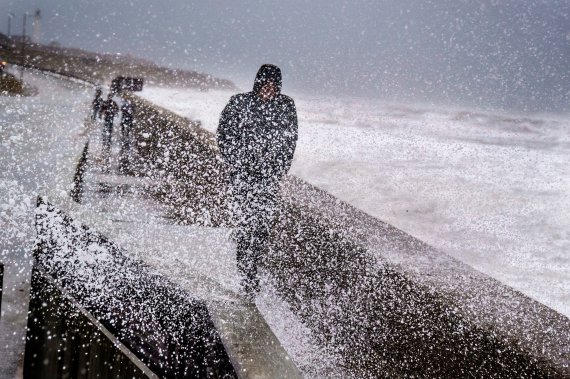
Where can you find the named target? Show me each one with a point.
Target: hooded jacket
(257, 138)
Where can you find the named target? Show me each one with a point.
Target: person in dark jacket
(257, 135)
(110, 111)
(97, 103)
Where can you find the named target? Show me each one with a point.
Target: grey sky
(506, 54)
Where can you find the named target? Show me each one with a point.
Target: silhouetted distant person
(257, 135)
(110, 110)
(127, 112)
(97, 103)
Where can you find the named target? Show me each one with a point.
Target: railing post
(1, 285)
(77, 190)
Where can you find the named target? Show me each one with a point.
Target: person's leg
(253, 233)
(257, 246)
(250, 246)
(104, 134)
(247, 264)
(243, 235)
(123, 144)
(107, 134)
(124, 134)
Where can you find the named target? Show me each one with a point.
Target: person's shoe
(250, 289)
(249, 296)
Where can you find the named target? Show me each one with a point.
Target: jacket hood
(267, 73)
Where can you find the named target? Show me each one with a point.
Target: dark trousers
(94, 115)
(253, 211)
(125, 145)
(125, 135)
(107, 134)
(250, 246)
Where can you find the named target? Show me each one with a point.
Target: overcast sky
(508, 54)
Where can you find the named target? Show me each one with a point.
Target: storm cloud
(510, 55)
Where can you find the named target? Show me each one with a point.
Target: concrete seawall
(391, 305)
(396, 307)
(183, 159)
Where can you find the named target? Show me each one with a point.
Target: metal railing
(85, 288)
(66, 341)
